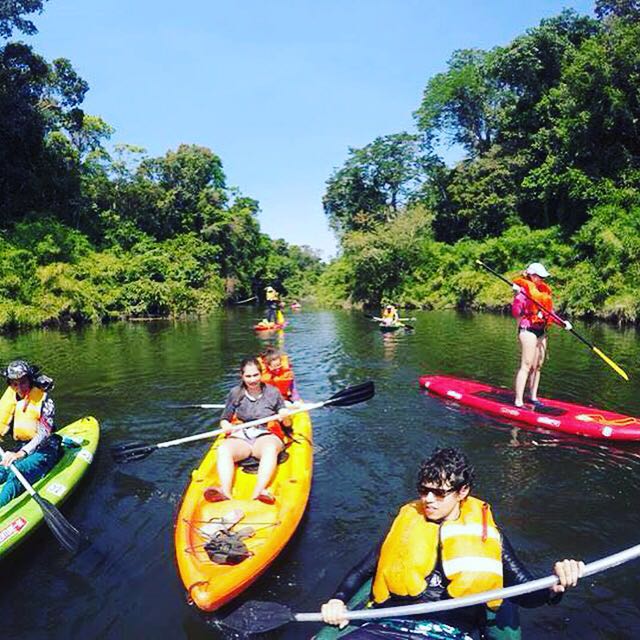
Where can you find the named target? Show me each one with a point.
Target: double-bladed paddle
(591, 346)
(130, 451)
(195, 406)
(260, 617)
(66, 534)
(401, 320)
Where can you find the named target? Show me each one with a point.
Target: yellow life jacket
(279, 317)
(471, 553)
(7, 407)
(27, 414)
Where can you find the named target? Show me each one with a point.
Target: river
(556, 497)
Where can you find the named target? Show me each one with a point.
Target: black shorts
(539, 332)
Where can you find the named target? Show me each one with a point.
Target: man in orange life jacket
(27, 410)
(534, 318)
(276, 371)
(443, 545)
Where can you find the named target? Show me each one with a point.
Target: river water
(556, 497)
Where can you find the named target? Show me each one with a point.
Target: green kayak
(22, 515)
(505, 626)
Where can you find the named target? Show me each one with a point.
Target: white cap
(535, 268)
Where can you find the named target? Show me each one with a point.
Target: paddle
(130, 451)
(247, 300)
(66, 534)
(591, 346)
(260, 617)
(195, 406)
(409, 327)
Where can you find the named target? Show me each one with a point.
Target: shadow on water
(555, 496)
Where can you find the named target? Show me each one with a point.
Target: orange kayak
(208, 536)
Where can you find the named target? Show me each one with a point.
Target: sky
(278, 89)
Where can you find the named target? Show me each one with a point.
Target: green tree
(375, 182)
(11, 16)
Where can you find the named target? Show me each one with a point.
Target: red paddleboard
(554, 415)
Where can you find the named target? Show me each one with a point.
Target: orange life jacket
(282, 379)
(541, 293)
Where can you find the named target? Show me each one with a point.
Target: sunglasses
(438, 492)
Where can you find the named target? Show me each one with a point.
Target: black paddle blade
(352, 395)
(66, 534)
(130, 451)
(258, 617)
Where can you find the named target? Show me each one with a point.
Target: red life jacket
(541, 293)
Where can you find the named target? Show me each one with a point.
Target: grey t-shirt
(247, 408)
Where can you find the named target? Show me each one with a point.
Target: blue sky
(278, 89)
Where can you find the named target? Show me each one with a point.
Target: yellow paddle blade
(611, 363)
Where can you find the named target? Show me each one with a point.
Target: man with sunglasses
(444, 545)
(28, 412)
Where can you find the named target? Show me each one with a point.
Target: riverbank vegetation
(91, 232)
(549, 126)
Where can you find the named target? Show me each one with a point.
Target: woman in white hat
(533, 306)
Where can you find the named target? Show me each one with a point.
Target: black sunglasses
(438, 492)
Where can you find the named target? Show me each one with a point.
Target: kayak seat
(250, 464)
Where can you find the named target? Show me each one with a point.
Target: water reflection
(555, 496)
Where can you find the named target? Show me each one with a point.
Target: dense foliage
(92, 235)
(550, 128)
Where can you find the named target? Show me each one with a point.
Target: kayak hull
(389, 328)
(275, 327)
(22, 515)
(554, 415)
(210, 585)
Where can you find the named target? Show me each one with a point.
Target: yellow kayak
(222, 547)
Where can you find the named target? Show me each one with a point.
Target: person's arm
(45, 427)
(229, 409)
(515, 572)
(334, 610)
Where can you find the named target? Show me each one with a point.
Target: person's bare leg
(528, 344)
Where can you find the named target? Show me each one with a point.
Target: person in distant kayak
(443, 545)
(273, 303)
(250, 400)
(533, 320)
(28, 412)
(390, 315)
(276, 370)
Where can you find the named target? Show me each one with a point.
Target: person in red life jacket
(276, 371)
(252, 399)
(446, 544)
(533, 320)
(27, 412)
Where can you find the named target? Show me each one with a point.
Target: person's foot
(518, 404)
(537, 404)
(215, 494)
(265, 497)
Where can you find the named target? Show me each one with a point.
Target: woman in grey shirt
(250, 400)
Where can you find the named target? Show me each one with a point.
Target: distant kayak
(271, 326)
(552, 415)
(296, 306)
(388, 328)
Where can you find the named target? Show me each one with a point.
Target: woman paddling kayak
(444, 545)
(250, 400)
(27, 410)
(534, 318)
